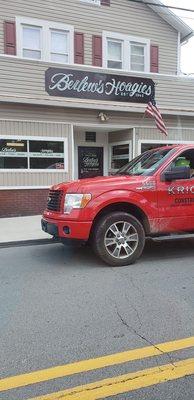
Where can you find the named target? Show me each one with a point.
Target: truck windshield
(145, 164)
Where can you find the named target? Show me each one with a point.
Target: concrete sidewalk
(21, 229)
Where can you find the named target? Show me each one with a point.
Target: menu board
(90, 161)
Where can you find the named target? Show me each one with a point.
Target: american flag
(153, 111)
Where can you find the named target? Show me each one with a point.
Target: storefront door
(90, 161)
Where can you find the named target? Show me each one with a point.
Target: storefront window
(48, 148)
(13, 162)
(31, 154)
(46, 163)
(13, 154)
(150, 146)
(119, 156)
(46, 155)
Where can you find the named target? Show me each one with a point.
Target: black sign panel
(98, 86)
(90, 161)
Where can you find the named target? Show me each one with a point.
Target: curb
(22, 243)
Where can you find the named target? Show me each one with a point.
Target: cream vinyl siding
(15, 179)
(35, 129)
(127, 18)
(85, 117)
(24, 81)
(22, 128)
(120, 136)
(173, 134)
(177, 134)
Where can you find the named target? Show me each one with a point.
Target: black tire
(103, 233)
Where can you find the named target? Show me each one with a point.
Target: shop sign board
(98, 86)
(11, 152)
(90, 161)
(47, 155)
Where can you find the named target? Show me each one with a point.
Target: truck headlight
(76, 201)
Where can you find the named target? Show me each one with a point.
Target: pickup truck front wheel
(118, 239)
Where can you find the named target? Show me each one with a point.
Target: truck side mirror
(176, 173)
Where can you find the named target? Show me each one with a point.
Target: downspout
(179, 54)
(133, 144)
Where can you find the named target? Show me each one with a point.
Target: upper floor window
(138, 56)
(32, 46)
(94, 2)
(59, 46)
(126, 52)
(114, 53)
(97, 2)
(44, 40)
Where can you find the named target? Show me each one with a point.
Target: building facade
(75, 77)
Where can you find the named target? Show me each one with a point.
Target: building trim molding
(88, 105)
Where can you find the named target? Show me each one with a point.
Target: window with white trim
(150, 146)
(137, 59)
(32, 154)
(44, 40)
(120, 154)
(94, 2)
(126, 52)
(32, 42)
(59, 46)
(114, 53)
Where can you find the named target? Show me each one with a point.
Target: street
(62, 305)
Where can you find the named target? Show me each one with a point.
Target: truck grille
(54, 200)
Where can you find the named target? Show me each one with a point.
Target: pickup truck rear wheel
(118, 239)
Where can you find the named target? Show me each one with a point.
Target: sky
(187, 52)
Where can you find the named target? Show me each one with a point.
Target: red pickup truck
(151, 196)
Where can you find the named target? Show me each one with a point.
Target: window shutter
(105, 2)
(10, 37)
(79, 48)
(154, 58)
(97, 51)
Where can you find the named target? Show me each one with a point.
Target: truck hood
(103, 184)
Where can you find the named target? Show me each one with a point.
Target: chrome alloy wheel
(121, 240)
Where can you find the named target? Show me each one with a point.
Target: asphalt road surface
(60, 305)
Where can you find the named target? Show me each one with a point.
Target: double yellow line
(112, 386)
(125, 383)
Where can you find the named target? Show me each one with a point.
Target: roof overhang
(172, 19)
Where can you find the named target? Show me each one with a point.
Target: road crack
(148, 341)
(134, 309)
